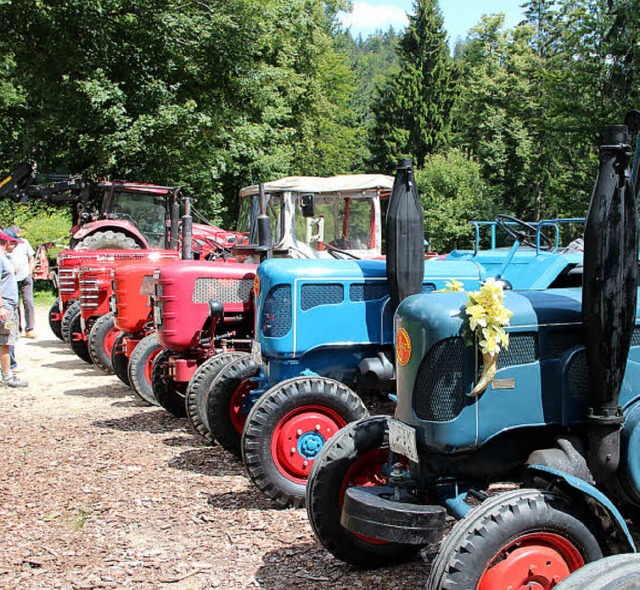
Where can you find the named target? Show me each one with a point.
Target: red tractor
(308, 217)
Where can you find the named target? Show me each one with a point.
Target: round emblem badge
(256, 286)
(403, 347)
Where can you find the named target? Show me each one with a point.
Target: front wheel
(170, 395)
(611, 573)
(77, 339)
(55, 320)
(67, 316)
(519, 539)
(140, 365)
(102, 337)
(197, 395)
(286, 429)
(227, 408)
(120, 360)
(356, 456)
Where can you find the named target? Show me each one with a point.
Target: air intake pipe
(187, 231)
(405, 236)
(174, 228)
(609, 296)
(264, 227)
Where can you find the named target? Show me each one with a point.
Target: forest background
(219, 94)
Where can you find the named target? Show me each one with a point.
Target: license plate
(402, 440)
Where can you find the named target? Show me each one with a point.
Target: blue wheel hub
(310, 444)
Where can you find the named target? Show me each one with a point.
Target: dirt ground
(98, 490)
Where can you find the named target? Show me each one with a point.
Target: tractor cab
(311, 217)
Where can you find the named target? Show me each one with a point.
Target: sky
(459, 15)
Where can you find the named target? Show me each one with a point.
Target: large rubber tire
(170, 395)
(516, 538)
(55, 324)
(286, 429)
(102, 337)
(108, 240)
(119, 360)
(224, 410)
(69, 314)
(197, 395)
(78, 346)
(356, 455)
(140, 367)
(618, 572)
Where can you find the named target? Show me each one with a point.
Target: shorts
(9, 329)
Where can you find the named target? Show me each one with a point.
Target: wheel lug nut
(318, 427)
(305, 464)
(293, 450)
(299, 432)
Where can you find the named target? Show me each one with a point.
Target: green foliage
(452, 192)
(413, 107)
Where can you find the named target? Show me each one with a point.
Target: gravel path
(98, 490)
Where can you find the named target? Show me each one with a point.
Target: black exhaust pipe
(265, 248)
(174, 228)
(187, 231)
(609, 295)
(405, 236)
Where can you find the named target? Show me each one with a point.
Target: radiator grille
(439, 391)
(523, 349)
(222, 290)
(315, 295)
(578, 377)
(368, 291)
(559, 342)
(67, 280)
(276, 312)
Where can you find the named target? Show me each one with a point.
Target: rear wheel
(108, 240)
(286, 429)
(356, 456)
(611, 573)
(55, 321)
(520, 539)
(197, 396)
(119, 359)
(101, 339)
(140, 366)
(69, 314)
(228, 404)
(77, 340)
(169, 393)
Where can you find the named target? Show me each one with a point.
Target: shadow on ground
(107, 390)
(158, 421)
(309, 566)
(211, 461)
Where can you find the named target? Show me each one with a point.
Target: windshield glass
(249, 210)
(146, 211)
(344, 223)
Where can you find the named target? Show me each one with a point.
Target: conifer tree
(413, 109)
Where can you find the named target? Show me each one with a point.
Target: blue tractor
(324, 345)
(558, 425)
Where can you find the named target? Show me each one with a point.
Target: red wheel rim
(109, 341)
(537, 561)
(236, 415)
(148, 366)
(366, 472)
(298, 438)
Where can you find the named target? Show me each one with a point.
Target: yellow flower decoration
(452, 286)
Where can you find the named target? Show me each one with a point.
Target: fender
(111, 224)
(581, 490)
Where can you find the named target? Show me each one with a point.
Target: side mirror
(216, 310)
(306, 204)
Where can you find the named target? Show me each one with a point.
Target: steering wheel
(525, 233)
(339, 254)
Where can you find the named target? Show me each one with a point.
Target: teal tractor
(557, 423)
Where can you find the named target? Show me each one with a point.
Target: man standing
(24, 260)
(8, 312)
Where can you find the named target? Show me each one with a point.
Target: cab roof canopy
(346, 183)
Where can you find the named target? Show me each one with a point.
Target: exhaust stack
(609, 295)
(405, 236)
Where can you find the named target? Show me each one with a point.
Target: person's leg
(20, 314)
(6, 342)
(12, 356)
(29, 306)
(5, 359)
